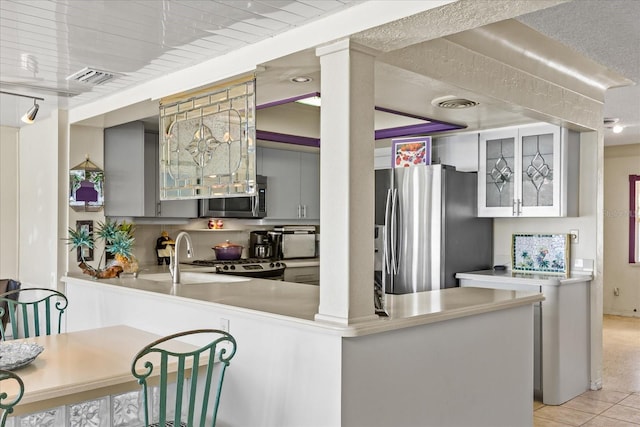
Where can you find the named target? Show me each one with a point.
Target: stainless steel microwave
(237, 207)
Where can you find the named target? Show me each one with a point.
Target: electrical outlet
(224, 325)
(575, 236)
(616, 291)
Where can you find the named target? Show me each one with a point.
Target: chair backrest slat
(198, 377)
(34, 309)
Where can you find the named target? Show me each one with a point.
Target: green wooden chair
(6, 407)
(190, 396)
(39, 310)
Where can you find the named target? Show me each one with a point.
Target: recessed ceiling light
(617, 128)
(301, 79)
(453, 103)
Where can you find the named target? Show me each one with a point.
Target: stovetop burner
(252, 267)
(214, 262)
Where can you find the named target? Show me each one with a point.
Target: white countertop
(298, 303)
(534, 279)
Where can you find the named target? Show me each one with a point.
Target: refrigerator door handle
(394, 237)
(385, 238)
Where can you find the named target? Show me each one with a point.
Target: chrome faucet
(174, 262)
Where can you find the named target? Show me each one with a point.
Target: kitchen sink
(190, 277)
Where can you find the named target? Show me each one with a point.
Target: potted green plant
(118, 239)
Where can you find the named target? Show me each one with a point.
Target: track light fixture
(30, 115)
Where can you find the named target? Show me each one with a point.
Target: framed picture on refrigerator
(412, 151)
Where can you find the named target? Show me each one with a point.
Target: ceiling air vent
(453, 103)
(92, 76)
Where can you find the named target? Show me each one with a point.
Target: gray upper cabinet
(310, 185)
(293, 180)
(131, 168)
(529, 171)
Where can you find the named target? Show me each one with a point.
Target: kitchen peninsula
(472, 348)
(561, 325)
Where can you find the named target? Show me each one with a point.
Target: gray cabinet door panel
(310, 185)
(124, 181)
(132, 175)
(282, 169)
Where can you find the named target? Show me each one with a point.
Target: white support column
(346, 183)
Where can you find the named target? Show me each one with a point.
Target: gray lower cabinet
(131, 168)
(560, 329)
(293, 183)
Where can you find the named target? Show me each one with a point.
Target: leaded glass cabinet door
(497, 172)
(540, 173)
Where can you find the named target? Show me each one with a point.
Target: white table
(79, 366)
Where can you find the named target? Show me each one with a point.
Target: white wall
(291, 118)
(459, 150)
(619, 162)
(38, 203)
(84, 141)
(9, 202)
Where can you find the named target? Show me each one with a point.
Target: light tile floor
(617, 404)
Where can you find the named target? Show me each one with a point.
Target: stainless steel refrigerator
(427, 229)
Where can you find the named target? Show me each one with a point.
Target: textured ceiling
(606, 31)
(609, 33)
(42, 42)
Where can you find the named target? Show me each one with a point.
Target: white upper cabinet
(293, 183)
(529, 171)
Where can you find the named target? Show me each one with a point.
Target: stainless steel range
(248, 267)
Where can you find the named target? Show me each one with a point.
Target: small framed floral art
(535, 253)
(411, 151)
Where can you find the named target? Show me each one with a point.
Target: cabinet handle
(513, 208)
(304, 211)
(255, 205)
(519, 203)
(299, 210)
(158, 208)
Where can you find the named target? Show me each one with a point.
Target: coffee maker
(260, 245)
